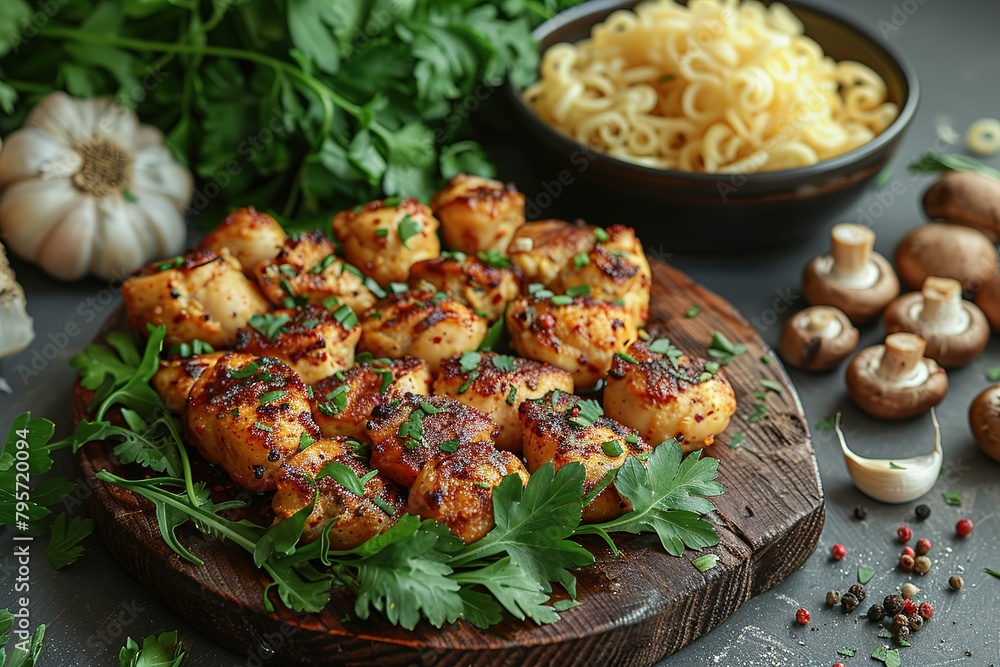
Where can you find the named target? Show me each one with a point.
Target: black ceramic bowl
(711, 213)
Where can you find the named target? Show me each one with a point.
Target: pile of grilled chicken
(313, 367)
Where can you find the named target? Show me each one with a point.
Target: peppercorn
(838, 551)
(909, 607)
(910, 591)
(908, 551)
(833, 597)
(922, 565)
(802, 617)
(838, 664)
(903, 633)
(926, 610)
(923, 546)
(916, 622)
(905, 534)
(858, 591)
(964, 527)
(850, 602)
(876, 613)
(892, 604)
(900, 620)
(860, 513)
(906, 562)
(956, 582)
(922, 511)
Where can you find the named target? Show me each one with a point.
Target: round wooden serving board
(635, 609)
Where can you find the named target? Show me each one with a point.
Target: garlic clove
(16, 326)
(896, 480)
(31, 152)
(66, 250)
(44, 203)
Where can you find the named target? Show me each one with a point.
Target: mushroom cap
(885, 400)
(861, 305)
(949, 251)
(966, 198)
(811, 350)
(988, 300)
(984, 420)
(949, 350)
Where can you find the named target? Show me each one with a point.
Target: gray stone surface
(91, 606)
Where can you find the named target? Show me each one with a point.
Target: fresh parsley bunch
(300, 106)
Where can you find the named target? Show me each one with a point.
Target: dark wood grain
(635, 609)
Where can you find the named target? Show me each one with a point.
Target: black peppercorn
(916, 622)
(860, 513)
(858, 591)
(900, 620)
(833, 597)
(903, 633)
(923, 511)
(893, 604)
(876, 613)
(849, 602)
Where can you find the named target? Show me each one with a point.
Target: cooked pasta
(714, 86)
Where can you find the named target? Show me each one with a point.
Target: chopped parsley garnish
(483, 485)
(449, 446)
(287, 270)
(439, 297)
(287, 287)
(626, 357)
(408, 228)
(324, 264)
(271, 396)
(539, 291)
(456, 255)
(665, 347)
(345, 316)
(382, 232)
(263, 427)
(601, 235)
(268, 325)
(336, 401)
(632, 439)
(561, 300)
(310, 323)
(711, 368)
(771, 385)
(511, 395)
(468, 383)
(579, 290)
(612, 448)
(759, 412)
(247, 371)
(235, 412)
(398, 288)
(503, 362)
(345, 476)
(493, 258)
(692, 311)
(587, 412)
(723, 349)
(330, 302)
(667, 78)
(375, 288)
(305, 440)
(469, 361)
(412, 430)
(383, 505)
(172, 264)
(386, 377)
(429, 408)
(580, 260)
(350, 268)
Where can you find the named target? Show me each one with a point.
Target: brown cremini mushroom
(817, 338)
(966, 198)
(949, 251)
(895, 381)
(956, 331)
(988, 300)
(851, 277)
(984, 420)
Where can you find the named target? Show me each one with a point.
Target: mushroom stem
(901, 360)
(942, 305)
(851, 248)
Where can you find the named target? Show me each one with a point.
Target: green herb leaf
(469, 361)
(865, 574)
(64, 544)
(579, 290)
(271, 396)
(706, 562)
(494, 259)
(723, 349)
(164, 650)
(626, 357)
(896, 466)
(504, 363)
(826, 423)
(847, 652)
(992, 572)
(952, 498)
(612, 448)
(580, 260)
(601, 235)
(512, 395)
(587, 412)
(346, 317)
(449, 446)
(759, 412)
(692, 312)
(772, 385)
(665, 347)
(931, 162)
(408, 228)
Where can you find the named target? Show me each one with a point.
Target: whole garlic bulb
(87, 189)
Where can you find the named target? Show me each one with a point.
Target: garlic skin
(87, 189)
(17, 329)
(908, 480)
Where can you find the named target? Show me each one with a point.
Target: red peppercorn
(905, 534)
(838, 664)
(908, 551)
(925, 609)
(909, 607)
(906, 563)
(963, 527)
(802, 617)
(923, 546)
(838, 551)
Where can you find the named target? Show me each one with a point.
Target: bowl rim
(906, 112)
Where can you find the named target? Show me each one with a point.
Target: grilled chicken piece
(384, 239)
(249, 235)
(561, 428)
(350, 519)
(315, 341)
(670, 395)
(344, 401)
(200, 296)
(428, 325)
(307, 270)
(498, 384)
(457, 489)
(484, 286)
(581, 337)
(247, 414)
(174, 379)
(562, 256)
(478, 214)
(411, 430)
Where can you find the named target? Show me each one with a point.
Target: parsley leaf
(64, 544)
(668, 498)
(164, 650)
(503, 362)
(268, 325)
(723, 349)
(587, 412)
(665, 347)
(494, 259)
(469, 361)
(407, 228)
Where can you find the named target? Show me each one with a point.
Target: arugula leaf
(164, 650)
(64, 544)
(668, 497)
(283, 535)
